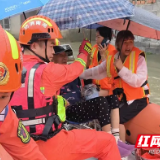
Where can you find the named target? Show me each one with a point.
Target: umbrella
(71, 14)
(143, 23)
(12, 7)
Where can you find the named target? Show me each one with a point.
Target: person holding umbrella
(39, 107)
(127, 70)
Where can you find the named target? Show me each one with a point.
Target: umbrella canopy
(93, 26)
(12, 7)
(143, 23)
(71, 14)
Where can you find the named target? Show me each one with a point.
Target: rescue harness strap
(30, 93)
(120, 92)
(45, 138)
(145, 83)
(33, 112)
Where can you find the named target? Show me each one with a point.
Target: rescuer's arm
(56, 75)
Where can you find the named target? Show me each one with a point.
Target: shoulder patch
(22, 133)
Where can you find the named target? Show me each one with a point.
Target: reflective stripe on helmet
(14, 47)
(42, 19)
(57, 43)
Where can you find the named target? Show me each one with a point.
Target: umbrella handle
(24, 16)
(83, 33)
(128, 24)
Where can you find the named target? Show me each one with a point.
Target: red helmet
(38, 28)
(10, 62)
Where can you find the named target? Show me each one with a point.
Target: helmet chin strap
(11, 96)
(43, 59)
(47, 60)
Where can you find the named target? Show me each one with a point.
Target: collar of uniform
(30, 58)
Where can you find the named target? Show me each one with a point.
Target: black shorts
(127, 112)
(113, 101)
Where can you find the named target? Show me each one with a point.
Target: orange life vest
(94, 62)
(31, 106)
(131, 93)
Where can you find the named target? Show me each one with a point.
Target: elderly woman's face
(127, 47)
(60, 58)
(99, 38)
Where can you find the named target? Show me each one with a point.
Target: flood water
(153, 63)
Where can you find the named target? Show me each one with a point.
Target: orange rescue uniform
(80, 144)
(3, 154)
(54, 76)
(12, 143)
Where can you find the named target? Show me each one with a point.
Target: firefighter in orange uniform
(39, 107)
(15, 141)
